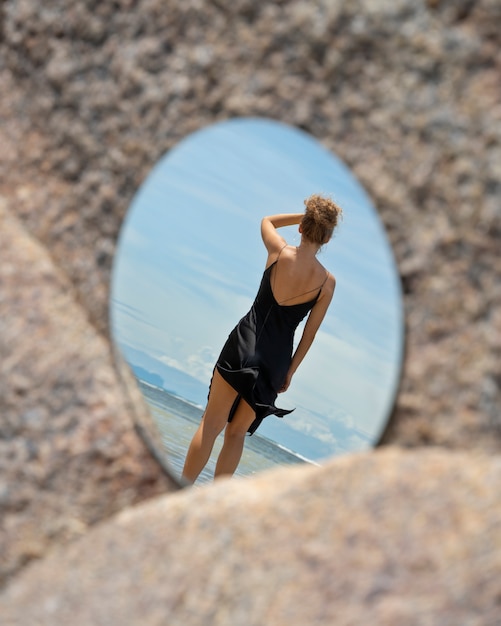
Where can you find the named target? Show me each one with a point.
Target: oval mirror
(188, 265)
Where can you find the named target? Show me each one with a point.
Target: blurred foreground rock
(385, 538)
(69, 454)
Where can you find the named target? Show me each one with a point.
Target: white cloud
(167, 360)
(201, 364)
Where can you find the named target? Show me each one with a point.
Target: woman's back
(296, 278)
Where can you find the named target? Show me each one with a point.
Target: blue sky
(190, 259)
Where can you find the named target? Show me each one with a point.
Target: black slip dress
(256, 356)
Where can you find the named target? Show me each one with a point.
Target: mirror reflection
(190, 260)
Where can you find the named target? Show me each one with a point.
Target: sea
(177, 420)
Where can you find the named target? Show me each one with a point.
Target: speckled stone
(69, 452)
(385, 538)
(92, 95)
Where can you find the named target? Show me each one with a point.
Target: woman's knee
(212, 426)
(235, 430)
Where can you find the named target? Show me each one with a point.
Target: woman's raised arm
(269, 224)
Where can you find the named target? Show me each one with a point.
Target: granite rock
(70, 452)
(93, 93)
(385, 538)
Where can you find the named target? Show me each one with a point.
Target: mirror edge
(143, 423)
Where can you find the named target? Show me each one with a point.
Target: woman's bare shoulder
(330, 279)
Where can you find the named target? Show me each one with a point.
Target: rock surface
(385, 538)
(407, 94)
(69, 453)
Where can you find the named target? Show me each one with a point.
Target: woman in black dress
(257, 360)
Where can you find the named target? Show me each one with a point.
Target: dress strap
(285, 246)
(276, 266)
(319, 289)
(309, 290)
(325, 279)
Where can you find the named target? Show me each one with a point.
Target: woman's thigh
(221, 399)
(242, 419)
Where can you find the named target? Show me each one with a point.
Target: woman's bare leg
(221, 398)
(234, 438)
